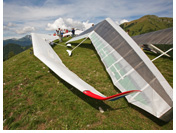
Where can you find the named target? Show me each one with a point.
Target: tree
(11, 54)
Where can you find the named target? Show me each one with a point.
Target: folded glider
(77, 32)
(131, 69)
(147, 40)
(164, 36)
(44, 52)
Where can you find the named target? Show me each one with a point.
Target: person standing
(128, 32)
(73, 32)
(59, 34)
(62, 33)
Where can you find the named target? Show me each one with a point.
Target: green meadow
(34, 97)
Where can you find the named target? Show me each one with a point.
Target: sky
(21, 17)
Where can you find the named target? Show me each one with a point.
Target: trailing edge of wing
(110, 98)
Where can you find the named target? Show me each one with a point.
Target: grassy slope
(15, 48)
(146, 24)
(35, 98)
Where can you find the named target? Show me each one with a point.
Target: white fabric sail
(77, 32)
(128, 66)
(47, 55)
(130, 69)
(44, 52)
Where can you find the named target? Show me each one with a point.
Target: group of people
(60, 32)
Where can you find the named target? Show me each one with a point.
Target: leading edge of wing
(110, 98)
(62, 71)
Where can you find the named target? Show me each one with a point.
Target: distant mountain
(11, 49)
(142, 25)
(24, 41)
(146, 24)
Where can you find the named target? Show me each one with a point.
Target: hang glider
(130, 69)
(147, 40)
(164, 36)
(49, 38)
(77, 32)
(44, 52)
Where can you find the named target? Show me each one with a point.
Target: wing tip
(110, 98)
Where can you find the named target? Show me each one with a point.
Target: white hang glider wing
(44, 52)
(130, 69)
(77, 32)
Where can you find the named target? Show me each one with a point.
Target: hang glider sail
(130, 69)
(77, 32)
(164, 36)
(147, 40)
(44, 52)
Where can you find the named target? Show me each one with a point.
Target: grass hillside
(35, 98)
(13, 49)
(146, 24)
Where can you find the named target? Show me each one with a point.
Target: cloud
(119, 22)
(82, 10)
(68, 23)
(42, 14)
(123, 21)
(24, 13)
(11, 24)
(24, 30)
(5, 28)
(87, 25)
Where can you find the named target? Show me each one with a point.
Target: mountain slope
(12, 49)
(24, 41)
(146, 24)
(35, 98)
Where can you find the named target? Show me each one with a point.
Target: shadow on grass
(97, 103)
(148, 115)
(92, 102)
(85, 44)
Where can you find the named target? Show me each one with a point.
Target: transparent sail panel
(130, 69)
(124, 76)
(119, 70)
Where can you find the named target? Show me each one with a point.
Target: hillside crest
(146, 24)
